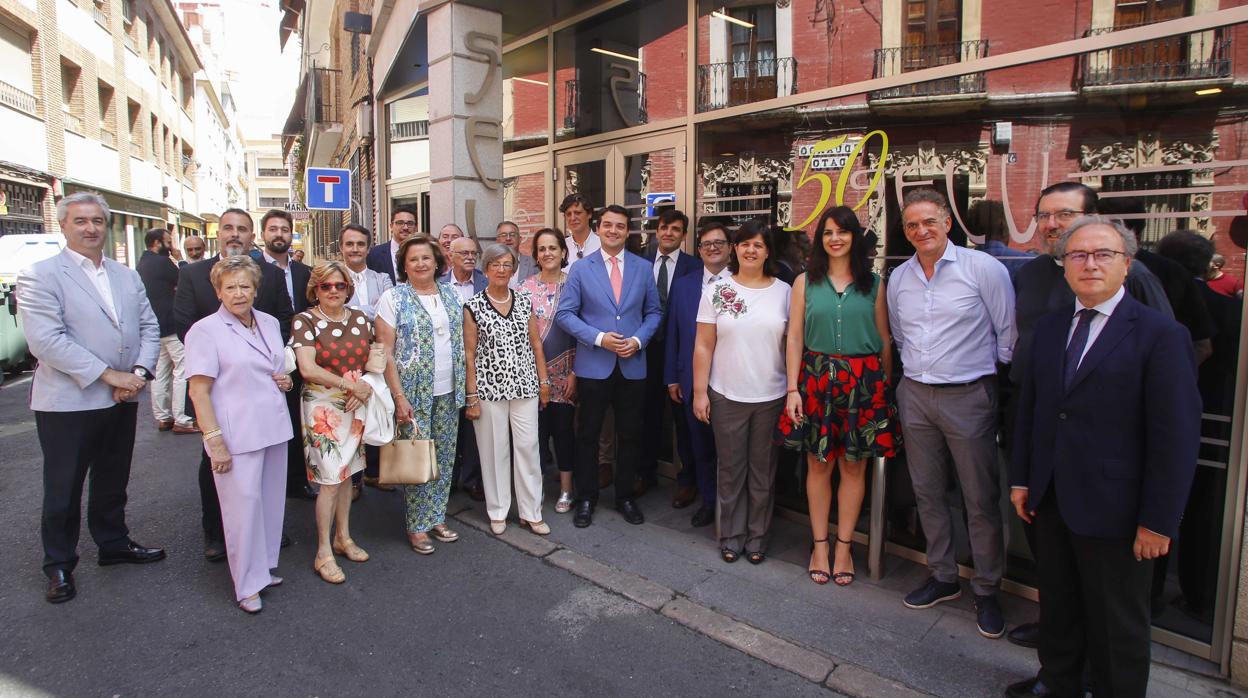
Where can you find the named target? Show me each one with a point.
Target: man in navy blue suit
(402, 227)
(611, 305)
(1106, 440)
(669, 264)
(698, 471)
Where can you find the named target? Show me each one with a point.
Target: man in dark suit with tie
(669, 264)
(402, 227)
(611, 305)
(277, 231)
(196, 299)
(1106, 439)
(698, 470)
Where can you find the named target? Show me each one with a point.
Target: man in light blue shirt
(951, 313)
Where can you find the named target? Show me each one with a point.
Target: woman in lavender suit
(235, 362)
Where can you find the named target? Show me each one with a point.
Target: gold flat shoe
(329, 570)
(422, 546)
(444, 534)
(351, 551)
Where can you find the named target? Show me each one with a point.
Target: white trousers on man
(495, 446)
(169, 385)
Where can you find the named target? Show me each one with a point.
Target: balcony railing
(273, 202)
(107, 137)
(323, 96)
(100, 18)
(573, 96)
(408, 130)
(72, 123)
(136, 149)
(1193, 56)
(904, 59)
(20, 100)
(743, 82)
(272, 172)
(131, 42)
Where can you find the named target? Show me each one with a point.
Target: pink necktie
(617, 280)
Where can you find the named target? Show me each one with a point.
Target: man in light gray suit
(508, 233)
(88, 322)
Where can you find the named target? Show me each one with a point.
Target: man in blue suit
(698, 469)
(669, 264)
(611, 305)
(402, 227)
(1106, 440)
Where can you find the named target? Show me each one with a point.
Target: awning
(121, 202)
(290, 20)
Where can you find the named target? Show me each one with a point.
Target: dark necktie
(663, 281)
(1078, 340)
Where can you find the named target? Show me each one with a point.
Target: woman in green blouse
(838, 408)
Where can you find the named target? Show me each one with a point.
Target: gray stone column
(465, 118)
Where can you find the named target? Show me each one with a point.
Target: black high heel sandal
(819, 577)
(728, 555)
(844, 579)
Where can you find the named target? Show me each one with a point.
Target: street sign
(328, 189)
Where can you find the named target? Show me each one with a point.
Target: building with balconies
(268, 178)
(98, 95)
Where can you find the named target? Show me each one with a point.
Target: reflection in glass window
(526, 96)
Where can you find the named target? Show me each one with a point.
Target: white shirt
(443, 358)
(708, 278)
(1103, 311)
(577, 252)
(672, 258)
(98, 276)
(748, 363)
(290, 280)
(466, 289)
(394, 250)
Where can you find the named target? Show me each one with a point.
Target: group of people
(572, 358)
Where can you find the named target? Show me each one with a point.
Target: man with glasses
(508, 233)
(468, 281)
(402, 227)
(1108, 430)
(1040, 288)
(582, 241)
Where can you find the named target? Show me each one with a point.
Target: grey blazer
(525, 268)
(378, 283)
(71, 333)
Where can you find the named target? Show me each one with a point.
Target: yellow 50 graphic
(825, 182)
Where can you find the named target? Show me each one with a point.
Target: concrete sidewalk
(859, 640)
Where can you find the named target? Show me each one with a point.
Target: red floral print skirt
(848, 406)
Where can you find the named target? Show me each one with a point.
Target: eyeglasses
(1063, 217)
(712, 244)
(462, 253)
(1101, 256)
(502, 266)
(404, 224)
(332, 286)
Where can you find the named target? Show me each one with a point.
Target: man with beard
(194, 248)
(402, 227)
(277, 231)
(196, 299)
(160, 279)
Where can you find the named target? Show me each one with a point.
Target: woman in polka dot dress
(331, 343)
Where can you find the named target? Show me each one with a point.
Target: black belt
(948, 385)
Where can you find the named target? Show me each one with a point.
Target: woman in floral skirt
(839, 366)
(331, 343)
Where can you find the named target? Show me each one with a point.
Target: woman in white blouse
(738, 387)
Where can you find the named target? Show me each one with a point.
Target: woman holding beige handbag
(331, 343)
(421, 324)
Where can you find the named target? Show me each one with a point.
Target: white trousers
(169, 385)
(253, 502)
(495, 448)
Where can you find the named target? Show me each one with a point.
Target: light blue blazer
(587, 307)
(69, 330)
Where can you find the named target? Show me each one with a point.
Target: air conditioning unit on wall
(364, 122)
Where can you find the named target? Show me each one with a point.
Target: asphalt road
(477, 617)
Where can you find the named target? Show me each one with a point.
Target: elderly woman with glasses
(506, 381)
(235, 361)
(331, 343)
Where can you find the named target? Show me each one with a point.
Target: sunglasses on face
(332, 286)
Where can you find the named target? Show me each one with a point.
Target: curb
(830, 672)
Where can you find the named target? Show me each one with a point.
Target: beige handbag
(408, 462)
(376, 359)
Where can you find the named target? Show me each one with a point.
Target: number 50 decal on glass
(825, 182)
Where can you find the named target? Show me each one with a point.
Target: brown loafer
(192, 429)
(164, 425)
(685, 495)
(376, 484)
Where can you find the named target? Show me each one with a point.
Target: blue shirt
(958, 325)
(1012, 259)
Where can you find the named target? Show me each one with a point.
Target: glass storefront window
(524, 203)
(526, 97)
(624, 67)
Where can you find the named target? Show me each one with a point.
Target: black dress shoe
(1031, 688)
(133, 554)
(286, 542)
(476, 493)
(1026, 635)
(214, 550)
(629, 510)
(584, 515)
(704, 516)
(61, 587)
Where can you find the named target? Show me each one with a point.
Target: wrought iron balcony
(408, 130)
(742, 82)
(20, 100)
(323, 96)
(1192, 56)
(573, 100)
(905, 59)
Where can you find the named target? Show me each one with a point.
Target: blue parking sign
(328, 189)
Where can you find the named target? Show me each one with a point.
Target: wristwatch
(143, 373)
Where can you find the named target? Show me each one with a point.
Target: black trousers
(660, 410)
(100, 442)
(467, 460)
(296, 467)
(627, 398)
(372, 464)
(214, 530)
(1094, 606)
(554, 424)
